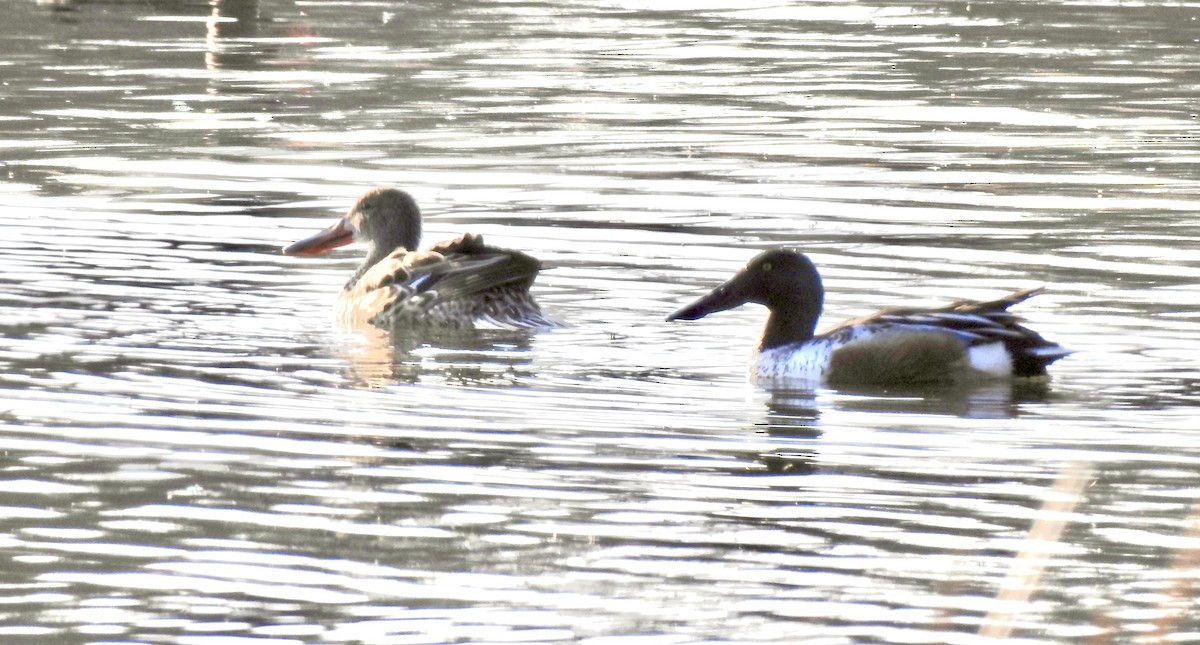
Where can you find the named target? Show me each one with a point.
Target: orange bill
(340, 234)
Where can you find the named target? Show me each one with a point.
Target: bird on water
(962, 341)
(461, 283)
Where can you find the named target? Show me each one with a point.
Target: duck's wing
(911, 339)
(459, 283)
(969, 307)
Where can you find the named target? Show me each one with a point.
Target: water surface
(193, 453)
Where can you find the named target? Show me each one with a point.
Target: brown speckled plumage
(456, 284)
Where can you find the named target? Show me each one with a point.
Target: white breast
(803, 363)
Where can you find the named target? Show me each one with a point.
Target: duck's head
(384, 218)
(784, 280)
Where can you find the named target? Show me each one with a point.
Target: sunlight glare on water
(195, 453)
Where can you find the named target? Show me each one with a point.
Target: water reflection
(793, 415)
(800, 421)
(228, 21)
(990, 399)
(378, 357)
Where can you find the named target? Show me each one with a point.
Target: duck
(964, 341)
(461, 283)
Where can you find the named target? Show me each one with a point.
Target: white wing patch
(992, 358)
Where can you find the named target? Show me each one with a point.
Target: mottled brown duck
(458, 284)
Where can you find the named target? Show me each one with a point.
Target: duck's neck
(782, 330)
(374, 255)
(793, 318)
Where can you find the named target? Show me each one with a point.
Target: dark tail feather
(999, 304)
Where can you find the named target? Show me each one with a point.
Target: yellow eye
(766, 267)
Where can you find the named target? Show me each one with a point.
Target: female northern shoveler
(461, 283)
(962, 340)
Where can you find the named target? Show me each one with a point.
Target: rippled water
(193, 453)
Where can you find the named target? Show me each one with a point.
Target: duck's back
(458, 284)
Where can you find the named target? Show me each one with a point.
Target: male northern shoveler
(460, 283)
(960, 341)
